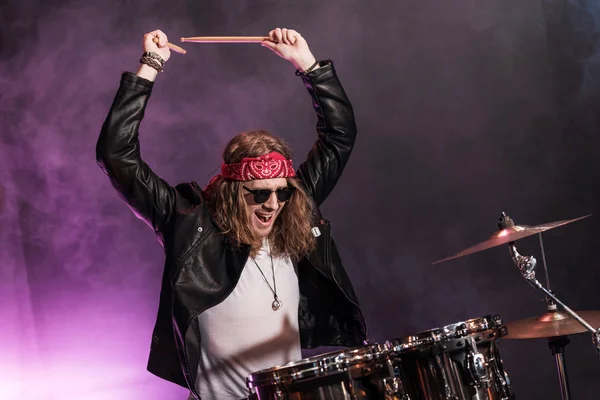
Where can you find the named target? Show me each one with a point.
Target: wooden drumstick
(225, 39)
(172, 46)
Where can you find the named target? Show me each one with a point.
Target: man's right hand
(159, 48)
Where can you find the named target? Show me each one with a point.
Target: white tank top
(243, 334)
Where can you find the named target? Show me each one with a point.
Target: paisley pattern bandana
(272, 165)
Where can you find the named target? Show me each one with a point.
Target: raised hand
(159, 48)
(290, 45)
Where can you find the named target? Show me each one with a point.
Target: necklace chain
(274, 287)
(276, 305)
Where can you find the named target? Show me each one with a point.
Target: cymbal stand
(557, 343)
(526, 265)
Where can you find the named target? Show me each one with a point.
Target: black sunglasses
(262, 195)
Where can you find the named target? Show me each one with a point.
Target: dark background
(465, 109)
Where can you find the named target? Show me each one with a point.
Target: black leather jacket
(201, 266)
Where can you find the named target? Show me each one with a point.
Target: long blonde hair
(291, 234)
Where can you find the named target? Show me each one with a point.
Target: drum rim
(316, 366)
(434, 336)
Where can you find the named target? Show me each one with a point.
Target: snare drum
(358, 373)
(460, 361)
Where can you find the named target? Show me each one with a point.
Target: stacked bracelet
(153, 60)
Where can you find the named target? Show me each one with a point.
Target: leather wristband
(309, 69)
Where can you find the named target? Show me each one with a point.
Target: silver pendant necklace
(276, 304)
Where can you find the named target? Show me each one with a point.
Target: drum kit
(459, 361)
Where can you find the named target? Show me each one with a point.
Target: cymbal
(508, 235)
(554, 323)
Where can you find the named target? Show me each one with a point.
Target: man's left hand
(290, 45)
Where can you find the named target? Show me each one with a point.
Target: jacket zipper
(328, 260)
(188, 324)
(196, 316)
(187, 253)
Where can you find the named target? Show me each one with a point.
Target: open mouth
(264, 219)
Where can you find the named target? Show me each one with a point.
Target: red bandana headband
(269, 166)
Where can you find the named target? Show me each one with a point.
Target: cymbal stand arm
(526, 265)
(544, 261)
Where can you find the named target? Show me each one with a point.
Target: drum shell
(441, 364)
(353, 374)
